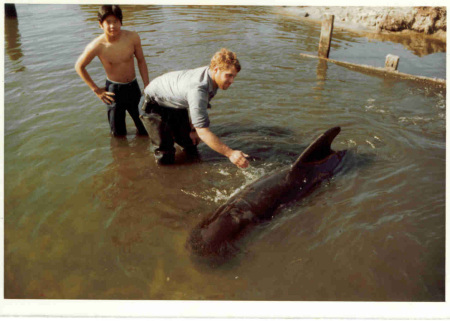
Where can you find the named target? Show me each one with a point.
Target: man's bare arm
(85, 59)
(142, 65)
(237, 157)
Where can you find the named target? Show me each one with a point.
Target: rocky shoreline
(430, 22)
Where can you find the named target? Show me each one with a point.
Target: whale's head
(213, 235)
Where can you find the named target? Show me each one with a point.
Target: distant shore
(428, 21)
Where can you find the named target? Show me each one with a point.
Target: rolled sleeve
(198, 104)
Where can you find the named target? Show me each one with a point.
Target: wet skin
(258, 201)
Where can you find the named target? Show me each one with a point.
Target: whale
(215, 235)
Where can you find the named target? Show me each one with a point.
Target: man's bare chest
(117, 53)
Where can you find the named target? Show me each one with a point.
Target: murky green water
(88, 216)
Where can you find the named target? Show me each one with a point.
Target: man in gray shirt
(174, 109)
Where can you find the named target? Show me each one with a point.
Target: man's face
(224, 78)
(111, 25)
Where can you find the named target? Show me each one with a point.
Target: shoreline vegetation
(411, 26)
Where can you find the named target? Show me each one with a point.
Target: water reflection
(13, 44)
(115, 184)
(321, 70)
(420, 45)
(321, 75)
(124, 153)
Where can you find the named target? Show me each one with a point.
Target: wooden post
(325, 36)
(10, 10)
(383, 72)
(391, 62)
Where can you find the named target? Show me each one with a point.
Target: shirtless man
(116, 49)
(175, 109)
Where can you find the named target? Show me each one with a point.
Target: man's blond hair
(224, 59)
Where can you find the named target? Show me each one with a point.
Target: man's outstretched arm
(237, 157)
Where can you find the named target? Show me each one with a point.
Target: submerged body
(259, 200)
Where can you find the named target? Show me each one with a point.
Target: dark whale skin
(215, 234)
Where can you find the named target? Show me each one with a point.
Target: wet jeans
(167, 126)
(126, 98)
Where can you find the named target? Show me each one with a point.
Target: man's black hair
(107, 10)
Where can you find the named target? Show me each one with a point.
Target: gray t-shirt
(192, 89)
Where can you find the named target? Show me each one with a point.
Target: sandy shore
(430, 22)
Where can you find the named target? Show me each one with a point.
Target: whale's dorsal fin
(319, 148)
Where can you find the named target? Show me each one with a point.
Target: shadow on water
(218, 263)
(235, 252)
(281, 147)
(252, 128)
(268, 143)
(355, 161)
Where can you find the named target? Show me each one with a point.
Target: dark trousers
(167, 126)
(126, 98)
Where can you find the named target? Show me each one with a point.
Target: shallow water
(88, 216)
